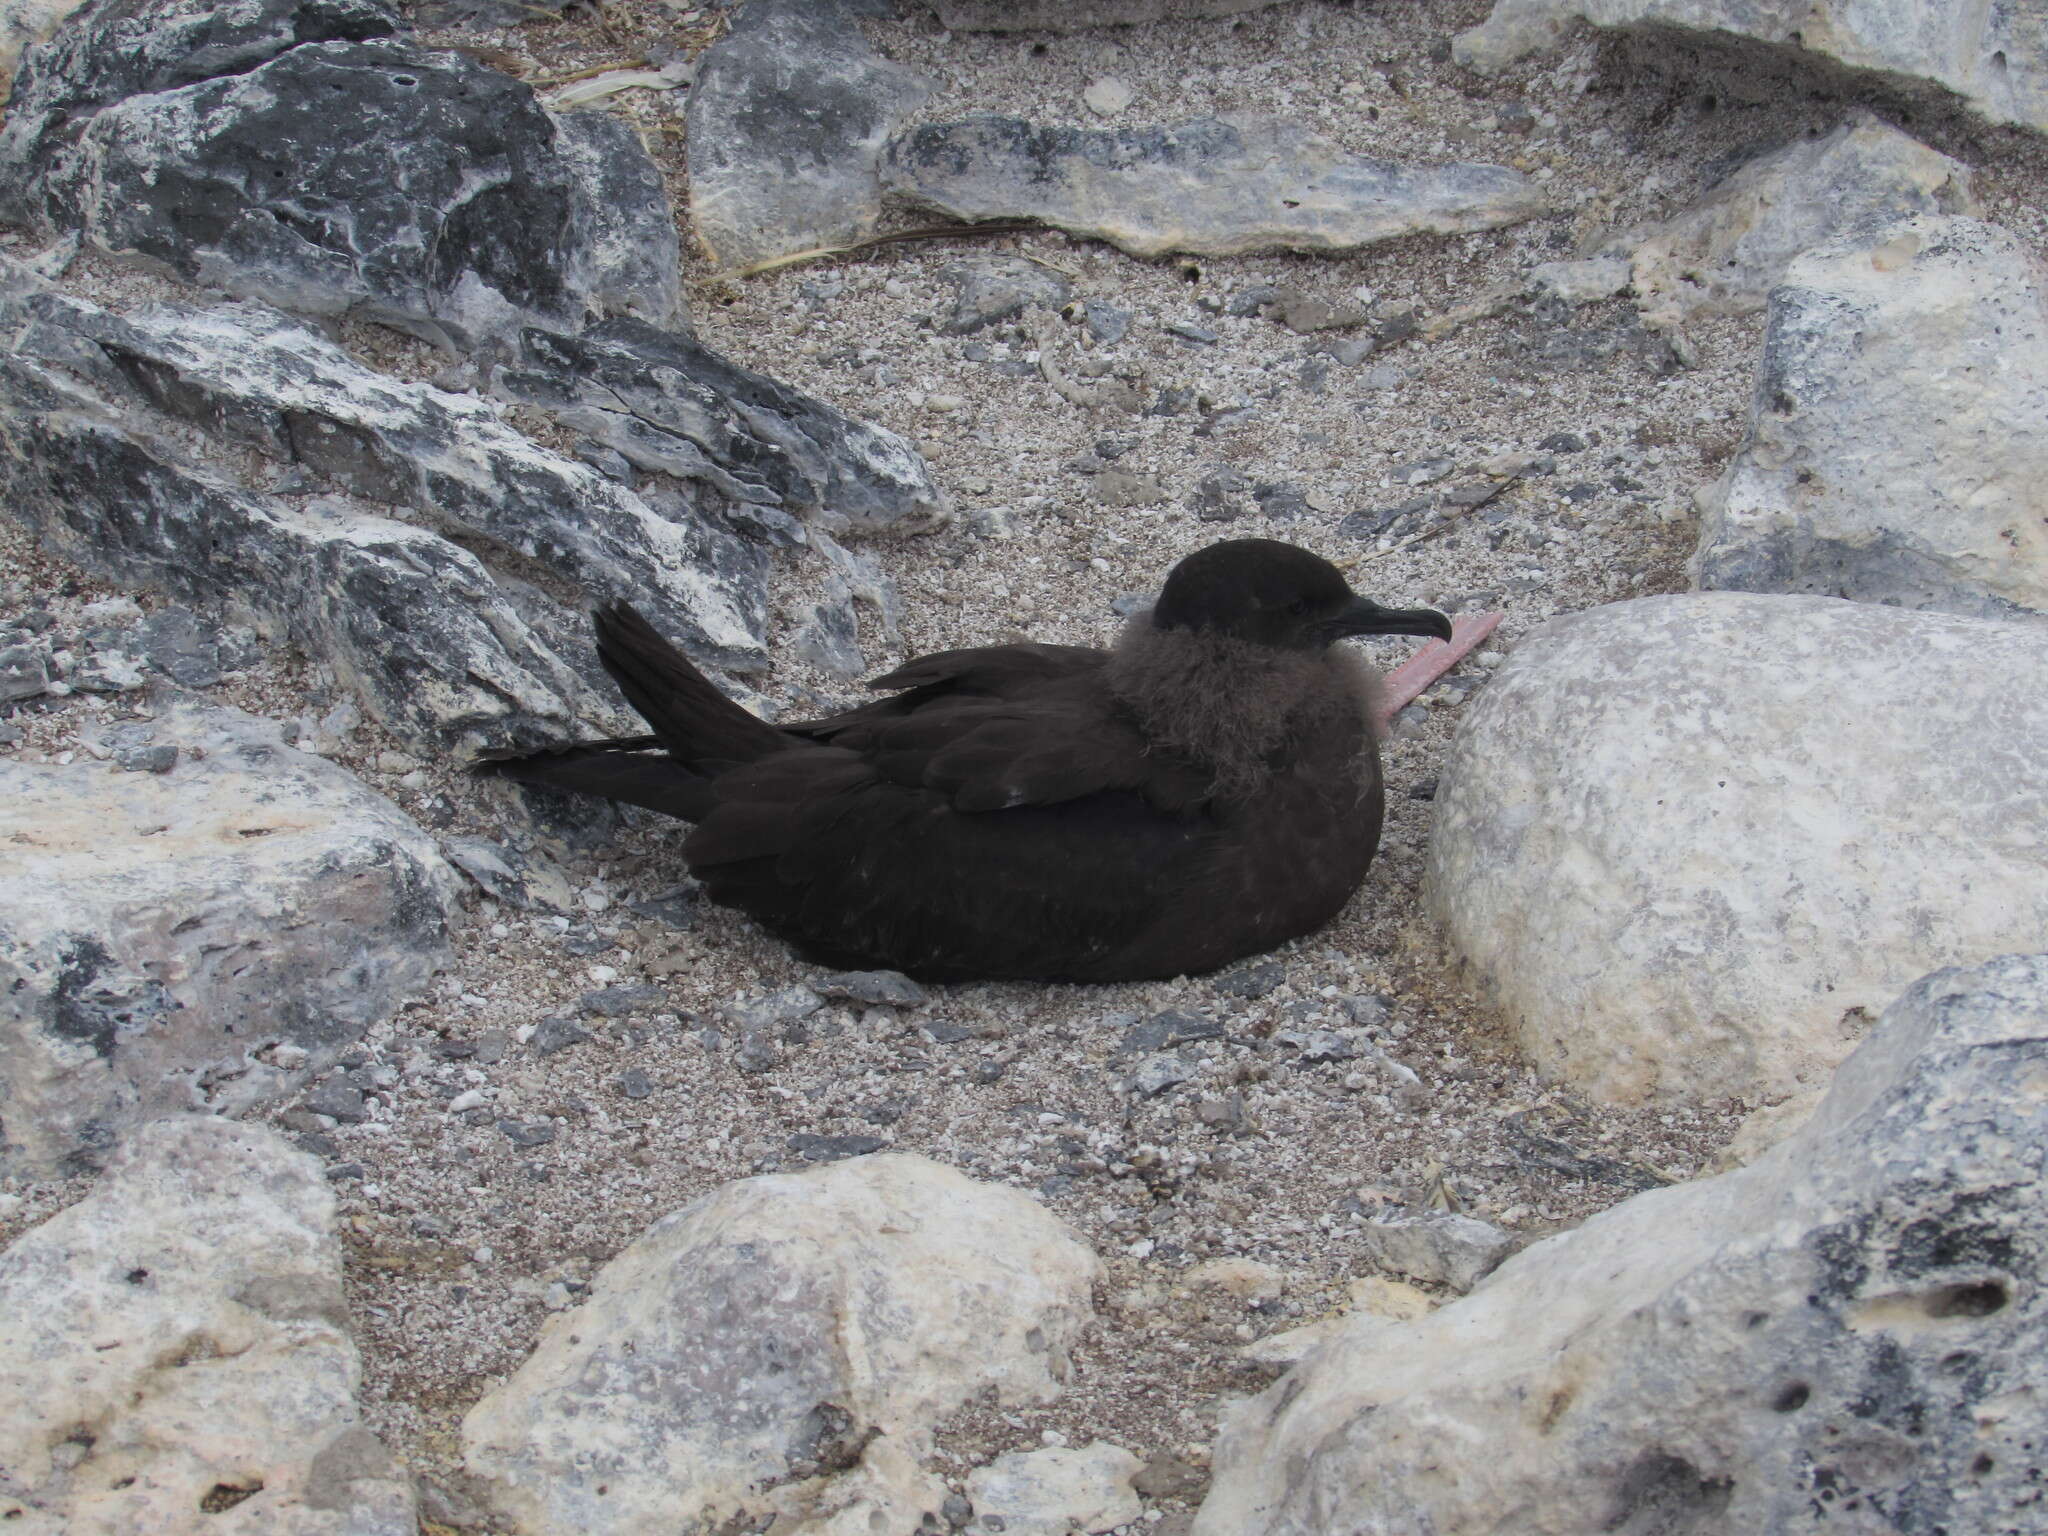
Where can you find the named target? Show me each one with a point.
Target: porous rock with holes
(175, 1354)
(1849, 1334)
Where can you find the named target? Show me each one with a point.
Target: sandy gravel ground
(459, 1240)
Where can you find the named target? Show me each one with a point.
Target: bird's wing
(850, 866)
(999, 727)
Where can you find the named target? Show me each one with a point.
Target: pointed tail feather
(656, 781)
(698, 724)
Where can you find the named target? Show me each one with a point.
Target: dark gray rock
(1107, 325)
(180, 645)
(787, 119)
(24, 673)
(299, 151)
(537, 1133)
(830, 1149)
(135, 749)
(442, 647)
(623, 1001)
(677, 907)
(554, 1034)
(671, 404)
(1195, 335)
(1254, 981)
(257, 911)
(634, 1083)
(993, 288)
(338, 1099)
(757, 1052)
(829, 639)
(891, 988)
(1213, 186)
(1280, 501)
(1396, 521)
(1218, 495)
(1173, 1027)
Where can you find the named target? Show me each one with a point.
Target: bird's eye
(1298, 607)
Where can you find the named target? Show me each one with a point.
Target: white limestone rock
(1055, 1491)
(1995, 57)
(1436, 1247)
(784, 1345)
(1724, 255)
(1895, 451)
(175, 1356)
(1848, 1335)
(1692, 843)
(169, 940)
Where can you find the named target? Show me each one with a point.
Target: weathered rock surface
(1214, 186)
(175, 1357)
(1994, 57)
(787, 119)
(1055, 1491)
(1725, 254)
(205, 937)
(672, 405)
(1850, 1334)
(1895, 450)
(1690, 843)
(302, 152)
(23, 23)
(1437, 1247)
(121, 431)
(785, 1345)
(1065, 16)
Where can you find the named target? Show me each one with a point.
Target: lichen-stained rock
(1213, 186)
(672, 405)
(788, 116)
(117, 435)
(1849, 1335)
(1725, 254)
(302, 152)
(201, 938)
(1896, 450)
(175, 1356)
(253, 378)
(23, 22)
(1691, 843)
(1995, 57)
(411, 623)
(784, 1345)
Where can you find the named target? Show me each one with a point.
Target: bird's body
(1208, 789)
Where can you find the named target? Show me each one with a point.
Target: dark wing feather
(857, 870)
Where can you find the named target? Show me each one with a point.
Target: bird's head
(1268, 593)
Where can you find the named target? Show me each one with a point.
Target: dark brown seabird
(1207, 789)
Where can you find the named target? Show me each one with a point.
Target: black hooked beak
(1366, 617)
